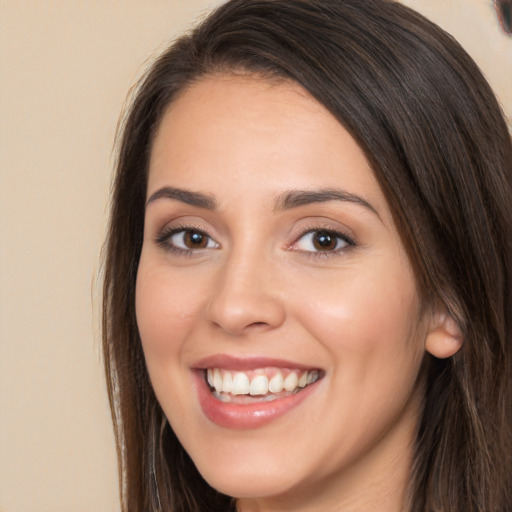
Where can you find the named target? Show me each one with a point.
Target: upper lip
(245, 363)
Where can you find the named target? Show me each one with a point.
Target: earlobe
(444, 338)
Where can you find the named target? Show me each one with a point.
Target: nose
(246, 296)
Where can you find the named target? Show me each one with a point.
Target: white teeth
(259, 385)
(240, 384)
(276, 383)
(312, 376)
(217, 380)
(291, 381)
(227, 383)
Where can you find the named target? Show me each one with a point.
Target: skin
(261, 288)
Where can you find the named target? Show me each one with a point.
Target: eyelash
(163, 240)
(338, 235)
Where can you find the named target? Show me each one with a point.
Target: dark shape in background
(504, 10)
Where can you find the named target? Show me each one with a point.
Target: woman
(307, 299)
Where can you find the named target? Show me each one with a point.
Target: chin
(250, 486)
(244, 477)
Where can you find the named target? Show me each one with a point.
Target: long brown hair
(434, 134)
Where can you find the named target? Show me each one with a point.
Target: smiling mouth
(259, 385)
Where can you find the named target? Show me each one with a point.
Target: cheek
(166, 308)
(366, 314)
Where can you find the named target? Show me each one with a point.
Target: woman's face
(271, 268)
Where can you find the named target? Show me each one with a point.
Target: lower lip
(245, 416)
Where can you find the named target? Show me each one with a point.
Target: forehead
(261, 133)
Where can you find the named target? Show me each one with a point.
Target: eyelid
(163, 238)
(340, 235)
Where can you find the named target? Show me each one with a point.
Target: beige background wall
(65, 68)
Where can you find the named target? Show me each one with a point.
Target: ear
(444, 337)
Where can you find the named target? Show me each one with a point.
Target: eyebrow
(296, 198)
(285, 201)
(185, 196)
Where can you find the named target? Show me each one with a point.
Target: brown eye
(186, 240)
(194, 239)
(324, 241)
